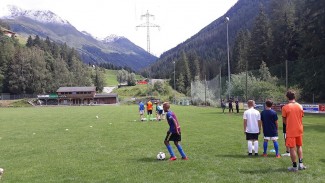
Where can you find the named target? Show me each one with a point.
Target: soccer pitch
(69, 144)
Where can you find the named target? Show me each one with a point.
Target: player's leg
(293, 158)
(250, 147)
(169, 147)
(255, 141)
(291, 143)
(287, 148)
(147, 115)
(249, 143)
(265, 144)
(151, 115)
(276, 147)
(300, 155)
(180, 150)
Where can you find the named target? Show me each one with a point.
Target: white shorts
(271, 138)
(141, 112)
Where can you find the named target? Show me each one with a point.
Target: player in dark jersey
(173, 134)
(270, 128)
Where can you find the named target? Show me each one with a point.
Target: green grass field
(35, 146)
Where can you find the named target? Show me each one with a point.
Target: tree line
(286, 35)
(42, 66)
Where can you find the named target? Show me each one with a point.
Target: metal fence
(8, 96)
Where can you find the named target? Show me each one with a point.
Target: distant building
(78, 96)
(84, 96)
(8, 32)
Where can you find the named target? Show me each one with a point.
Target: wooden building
(84, 96)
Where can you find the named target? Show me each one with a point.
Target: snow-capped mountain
(44, 16)
(111, 38)
(113, 49)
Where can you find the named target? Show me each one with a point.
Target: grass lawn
(69, 144)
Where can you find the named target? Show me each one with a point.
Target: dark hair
(268, 103)
(290, 95)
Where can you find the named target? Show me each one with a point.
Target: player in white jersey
(252, 127)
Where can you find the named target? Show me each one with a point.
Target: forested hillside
(272, 31)
(42, 66)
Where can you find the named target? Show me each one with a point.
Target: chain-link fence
(8, 96)
(265, 83)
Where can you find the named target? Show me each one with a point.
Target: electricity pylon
(148, 25)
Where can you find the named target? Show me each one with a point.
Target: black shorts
(251, 136)
(149, 112)
(173, 136)
(160, 111)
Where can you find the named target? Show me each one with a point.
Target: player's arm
(245, 125)
(259, 125)
(175, 124)
(276, 124)
(284, 119)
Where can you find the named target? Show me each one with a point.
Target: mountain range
(113, 49)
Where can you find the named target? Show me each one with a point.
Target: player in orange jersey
(292, 114)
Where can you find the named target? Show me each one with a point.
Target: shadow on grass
(148, 160)
(322, 160)
(263, 171)
(239, 156)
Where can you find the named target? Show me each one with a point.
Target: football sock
(300, 160)
(276, 147)
(265, 147)
(249, 144)
(180, 150)
(170, 150)
(256, 147)
(294, 164)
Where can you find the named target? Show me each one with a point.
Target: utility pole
(148, 25)
(220, 83)
(229, 94)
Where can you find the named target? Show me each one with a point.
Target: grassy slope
(36, 147)
(111, 77)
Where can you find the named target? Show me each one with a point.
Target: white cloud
(179, 19)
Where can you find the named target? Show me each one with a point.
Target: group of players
(292, 114)
(159, 111)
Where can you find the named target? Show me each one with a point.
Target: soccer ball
(1, 171)
(161, 156)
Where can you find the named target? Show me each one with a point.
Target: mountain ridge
(116, 50)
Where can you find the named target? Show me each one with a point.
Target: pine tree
(30, 41)
(194, 65)
(259, 42)
(240, 51)
(185, 71)
(180, 84)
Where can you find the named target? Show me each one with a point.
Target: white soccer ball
(1, 171)
(161, 156)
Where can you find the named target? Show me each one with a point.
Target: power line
(148, 25)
